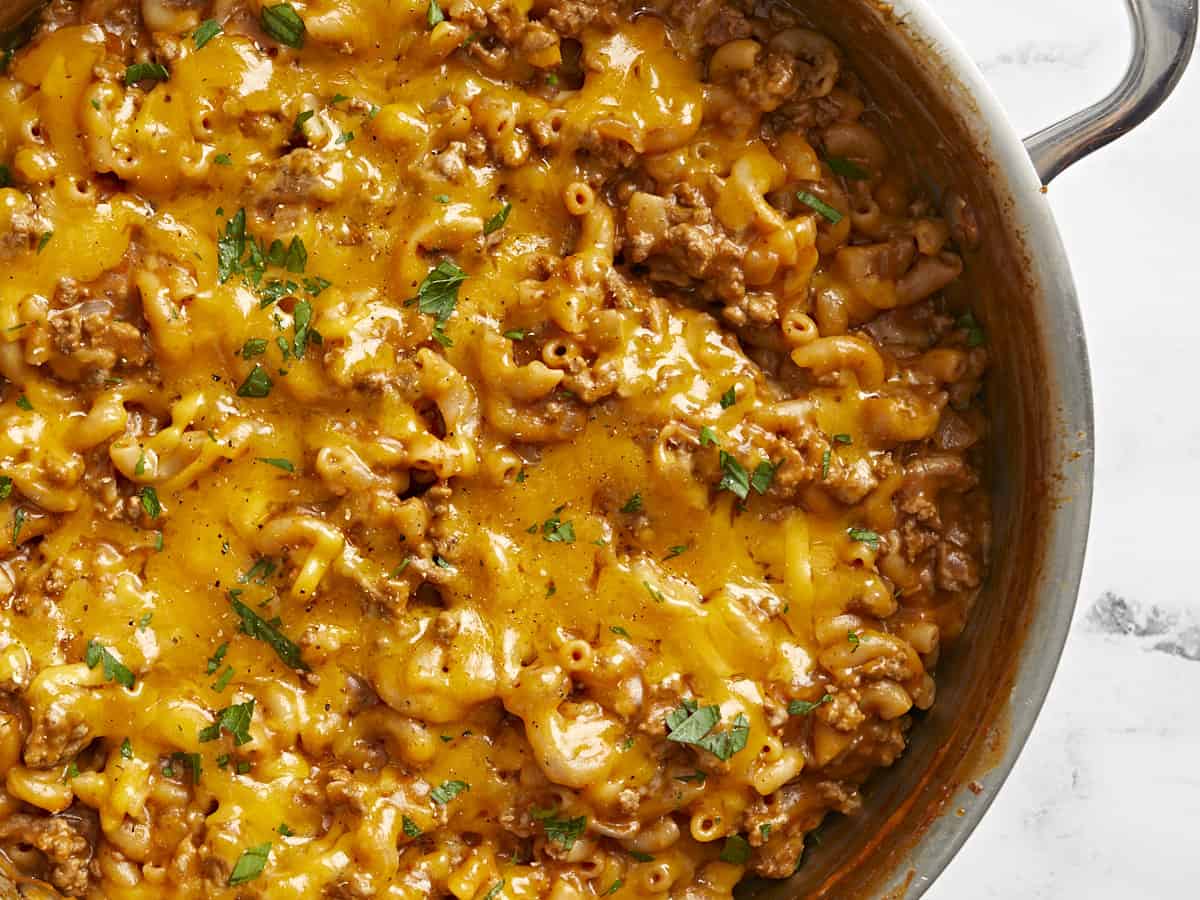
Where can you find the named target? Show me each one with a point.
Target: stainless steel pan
(993, 682)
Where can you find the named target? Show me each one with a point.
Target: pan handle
(1164, 33)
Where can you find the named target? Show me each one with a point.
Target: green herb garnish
(818, 205)
(114, 669)
(283, 23)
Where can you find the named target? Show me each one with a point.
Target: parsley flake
(556, 531)
(805, 707)
(146, 72)
(235, 720)
(448, 790)
(259, 628)
(208, 30)
(283, 23)
(735, 479)
(150, 502)
(114, 670)
(258, 383)
(497, 220)
(870, 538)
(251, 863)
(816, 204)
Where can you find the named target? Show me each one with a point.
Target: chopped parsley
(284, 830)
(556, 531)
(345, 137)
(564, 832)
(843, 439)
(729, 397)
(633, 504)
(677, 550)
(126, 749)
(208, 30)
(277, 462)
(302, 117)
(223, 679)
(708, 437)
(654, 592)
(150, 502)
(18, 523)
(263, 568)
(735, 478)
(847, 169)
(258, 383)
(515, 335)
(231, 246)
(235, 720)
(497, 220)
(854, 639)
(44, 240)
(640, 856)
(301, 322)
(448, 790)
(254, 347)
(826, 457)
(146, 72)
(763, 475)
(696, 777)
(805, 707)
(315, 285)
(214, 661)
(23, 403)
(765, 830)
(736, 850)
(434, 14)
(495, 890)
(145, 619)
(259, 628)
(114, 669)
(252, 862)
(140, 467)
(438, 295)
(820, 206)
(870, 538)
(441, 562)
(614, 887)
(6, 487)
(409, 827)
(694, 724)
(617, 629)
(283, 23)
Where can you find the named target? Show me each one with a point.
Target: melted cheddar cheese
(482, 450)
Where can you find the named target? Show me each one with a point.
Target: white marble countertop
(1105, 800)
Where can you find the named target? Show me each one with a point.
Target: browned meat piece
(66, 840)
(569, 17)
(93, 338)
(728, 24)
(301, 178)
(25, 224)
(770, 83)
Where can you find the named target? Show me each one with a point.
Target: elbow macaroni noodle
(481, 450)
